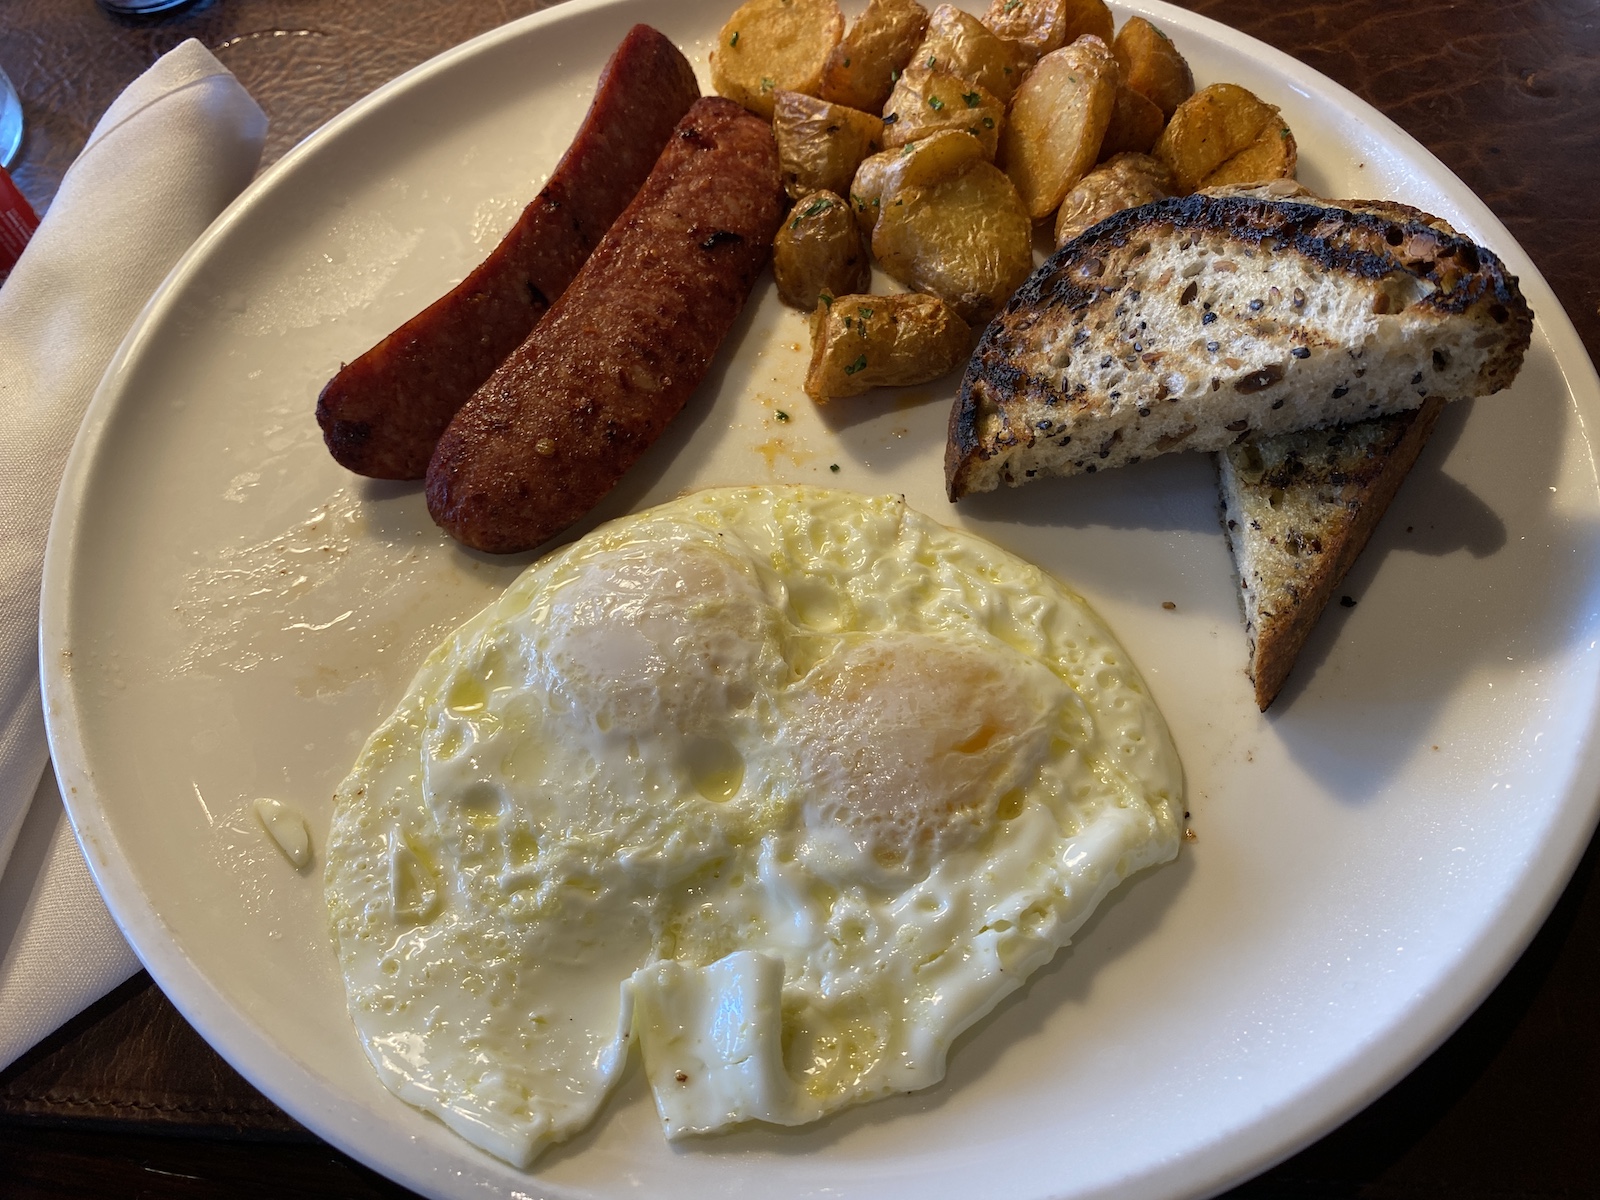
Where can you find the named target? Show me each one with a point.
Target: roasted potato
(966, 239)
(873, 179)
(1226, 134)
(927, 100)
(861, 70)
(1046, 25)
(820, 145)
(1135, 125)
(965, 46)
(819, 251)
(771, 46)
(1088, 18)
(940, 156)
(862, 342)
(1126, 181)
(1152, 66)
(1291, 189)
(1058, 120)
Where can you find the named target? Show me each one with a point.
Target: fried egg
(788, 786)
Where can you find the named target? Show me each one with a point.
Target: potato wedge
(1226, 134)
(1273, 155)
(861, 70)
(1152, 65)
(967, 240)
(1046, 25)
(1126, 181)
(1135, 125)
(819, 251)
(874, 180)
(820, 145)
(1088, 18)
(929, 160)
(927, 100)
(1041, 25)
(861, 342)
(965, 46)
(1058, 120)
(771, 46)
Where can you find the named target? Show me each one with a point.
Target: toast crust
(1298, 510)
(1196, 322)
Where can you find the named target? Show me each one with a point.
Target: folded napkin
(168, 155)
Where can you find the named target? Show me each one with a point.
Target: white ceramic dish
(227, 614)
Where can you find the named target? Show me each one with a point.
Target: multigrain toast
(1298, 509)
(1198, 322)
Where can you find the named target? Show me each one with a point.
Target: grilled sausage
(381, 414)
(557, 424)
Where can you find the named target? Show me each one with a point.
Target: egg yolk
(654, 640)
(910, 744)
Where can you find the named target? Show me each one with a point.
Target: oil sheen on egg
(788, 786)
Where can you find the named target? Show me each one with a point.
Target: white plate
(227, 614)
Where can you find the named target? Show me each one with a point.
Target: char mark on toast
(1196, 322)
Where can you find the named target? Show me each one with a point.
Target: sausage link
(381, 414)
(557, 424)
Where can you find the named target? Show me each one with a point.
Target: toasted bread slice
(1298, 509)
(1194, 323)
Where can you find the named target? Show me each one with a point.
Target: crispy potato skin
(967, 240)
(927, 100)
(819, 250)
(1058, 119)
(771, 46)
(1152, 65)
(382, 414)
(861, 69)
(1041, 25)
(928, 160)
(1135, 124)
(555, 427)
(860, 342)
(1126, 181)
(966, 47)
(820, 145)
(1087, 18)
(1226, 134)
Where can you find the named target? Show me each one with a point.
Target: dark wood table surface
(128, 1101)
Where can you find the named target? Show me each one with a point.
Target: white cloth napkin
(166, 158)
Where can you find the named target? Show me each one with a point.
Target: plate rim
(1229, 1157)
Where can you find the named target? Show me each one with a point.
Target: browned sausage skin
(557, 424)
(381, 414)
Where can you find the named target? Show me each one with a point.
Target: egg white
(789, 785)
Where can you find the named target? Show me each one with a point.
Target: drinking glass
(10, 121)
(140, 8)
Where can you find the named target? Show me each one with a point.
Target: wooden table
(128, 1101)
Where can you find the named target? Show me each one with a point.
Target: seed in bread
(1298, 509)
(1193, 323)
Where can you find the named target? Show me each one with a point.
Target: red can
(17, 222)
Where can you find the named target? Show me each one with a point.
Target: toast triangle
(1298, 509)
